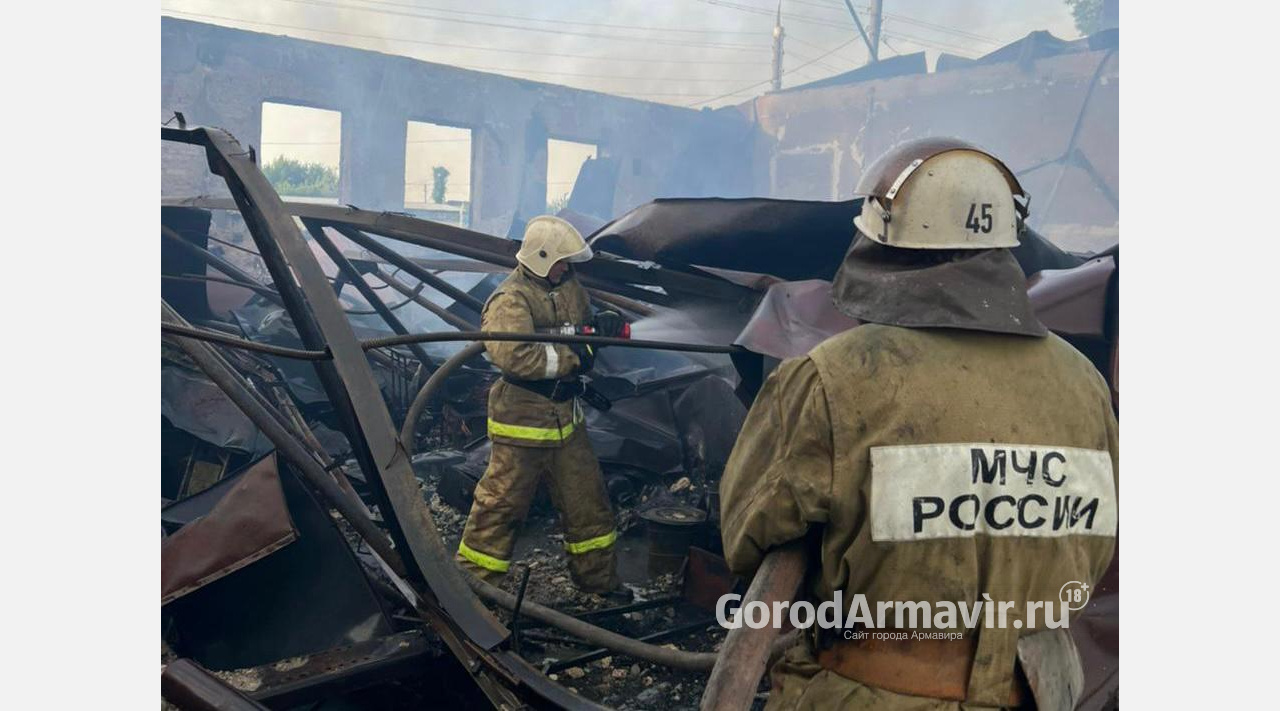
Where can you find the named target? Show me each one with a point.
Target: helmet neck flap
(977, 290)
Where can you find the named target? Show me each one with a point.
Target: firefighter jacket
(525, 303)
(937, 465)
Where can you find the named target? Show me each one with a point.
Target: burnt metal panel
(305, 597)
(461, 619)
(602, 272)
(789, 239)
(193, 226)
(1073, 301)
(193, 404)
(792, 318)
(190, 687)
(637, 432)
(341, 669)
(708, 415)
(1035, 253)
(249, 523)
(347, 379)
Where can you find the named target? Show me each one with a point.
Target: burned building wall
(220, 77)
(1052, 116)
(1053, 119)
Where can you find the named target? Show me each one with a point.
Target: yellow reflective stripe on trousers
(537, 434)
(592, 544)
(487, 562)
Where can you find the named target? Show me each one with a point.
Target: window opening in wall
(437, 172)
(302, 151)
(564, 161)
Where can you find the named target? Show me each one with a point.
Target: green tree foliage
(1087, 15)
(439, 183)
(293, 177)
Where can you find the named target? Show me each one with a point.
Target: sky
(685, 52)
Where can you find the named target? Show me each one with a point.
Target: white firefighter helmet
(941, 193)
(549, 239)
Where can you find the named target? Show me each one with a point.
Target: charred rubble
(323, 428)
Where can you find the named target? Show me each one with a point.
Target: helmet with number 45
(941, 193)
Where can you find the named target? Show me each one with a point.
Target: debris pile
(299, 565)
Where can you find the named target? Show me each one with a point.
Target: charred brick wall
(1025, 111)
(800, 143)
(220, 77)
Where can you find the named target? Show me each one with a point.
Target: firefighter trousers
(505, 492)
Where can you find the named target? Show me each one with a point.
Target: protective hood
(979, 290)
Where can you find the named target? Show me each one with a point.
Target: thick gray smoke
(682, 52)
(704, 326)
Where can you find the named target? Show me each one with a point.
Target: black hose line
(441, 337)
(620, 644)
(447, 336)
(429, 389)
(517, 604)
(204, 334)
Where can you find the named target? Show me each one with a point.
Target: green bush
(293, 177)
(1087, 15)
(439, 184)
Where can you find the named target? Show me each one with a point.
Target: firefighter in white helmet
(947, 450)
(536, 422)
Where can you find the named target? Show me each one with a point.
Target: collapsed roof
(321, 390)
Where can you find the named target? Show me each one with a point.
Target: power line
(966, 34)
(786, 73)
(820, 5)
(893, 49)
(940, 45)
(931, 44)
(754, 9)
(409, 40)
(824, 65)
(596, 76)
(814, 46)
(644, 28)
(523, 28)
(838, 7)
(941, 28)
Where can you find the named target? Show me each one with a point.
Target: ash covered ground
(614, 680)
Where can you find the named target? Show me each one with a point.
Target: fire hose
(203, 334)
(665, 656)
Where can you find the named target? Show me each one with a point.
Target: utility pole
(872, 46)
(876, 7)
(778, 34)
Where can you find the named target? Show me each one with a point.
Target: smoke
(699, 50)
(701, 325)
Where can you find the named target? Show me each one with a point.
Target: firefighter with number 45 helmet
(536, 422)
(948, 450)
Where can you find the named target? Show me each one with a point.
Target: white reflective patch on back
(553, 361)
(928, 491)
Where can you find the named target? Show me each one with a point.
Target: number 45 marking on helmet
(979, 221)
